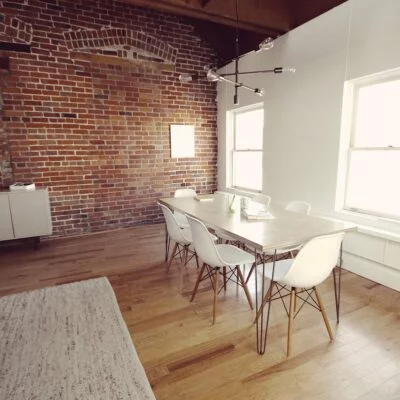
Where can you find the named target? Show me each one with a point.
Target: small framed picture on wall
(182, 141)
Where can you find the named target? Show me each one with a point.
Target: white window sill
(242, 192)
(370, 225)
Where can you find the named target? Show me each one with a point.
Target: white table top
(286, 229)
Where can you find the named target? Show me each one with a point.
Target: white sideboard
(25, 214)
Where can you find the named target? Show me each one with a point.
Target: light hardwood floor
(185, 357)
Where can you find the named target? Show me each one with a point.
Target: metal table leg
(337, 280)
(261, 325)
(167, 240)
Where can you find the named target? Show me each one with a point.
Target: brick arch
(14, 30)
(122, 43)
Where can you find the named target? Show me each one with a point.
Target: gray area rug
(68, 342)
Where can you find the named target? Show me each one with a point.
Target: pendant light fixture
(213, 76)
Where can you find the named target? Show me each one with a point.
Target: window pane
(249, 130)
(247, 169)
(372, 183)
(377, 116)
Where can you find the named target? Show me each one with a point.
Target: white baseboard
(380, 273)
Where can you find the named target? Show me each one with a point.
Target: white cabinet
(6, 228)
(25, 214)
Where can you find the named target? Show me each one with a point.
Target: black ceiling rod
(235, 97)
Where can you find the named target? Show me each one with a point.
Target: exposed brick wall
(14, 30)
(6, 175)
(123, 40)
(97, 133)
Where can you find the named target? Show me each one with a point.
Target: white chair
(300, 207)
(186, 192)
(259, 198)
(180, 218)
(299, 277)
(216, 257)
(262, 199)
(222, 235)
(182, 238)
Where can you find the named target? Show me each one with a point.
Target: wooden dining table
(283, 229)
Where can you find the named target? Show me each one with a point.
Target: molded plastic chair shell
(180, 218)
(185, 193)
(312, 265)
(216, 255)
(175, 232)
(299, 206)
(221, 197)
(262, 198)
(301, 276)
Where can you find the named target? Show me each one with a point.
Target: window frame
(233, 149)
(351, 98)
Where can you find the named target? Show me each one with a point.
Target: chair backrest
(223, 199)
(262, 199)
(204, 243)
(299, 206)
(174, 231)
(185, 193)
(188, 193)
(315, 261)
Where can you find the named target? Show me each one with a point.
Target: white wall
(303, 117)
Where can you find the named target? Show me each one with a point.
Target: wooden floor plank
(186, 357)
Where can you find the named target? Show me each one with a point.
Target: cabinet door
(30, 213)
(6, 228)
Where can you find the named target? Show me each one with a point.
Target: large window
(247, 149)
(373, 165)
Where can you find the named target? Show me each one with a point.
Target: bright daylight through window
(372, 185)
(248, 126)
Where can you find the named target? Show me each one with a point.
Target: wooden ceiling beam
(206, 14)
(204, 2)
(4, 63)
(20, 47)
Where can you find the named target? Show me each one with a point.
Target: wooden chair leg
(181, 267)
(246, 290)
(264, 301)
(167, 244)
(323, 312)
(216, 276)
(198, 281)
(291, 315)
(224, 274)
(251, 271)
(237, 277)
(186, 255)
(172, 256)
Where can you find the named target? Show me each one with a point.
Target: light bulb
(266, 44)
(185, 78)
(212, 76)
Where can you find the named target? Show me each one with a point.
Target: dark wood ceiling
(215, 20)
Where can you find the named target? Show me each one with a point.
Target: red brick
(107, 167)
